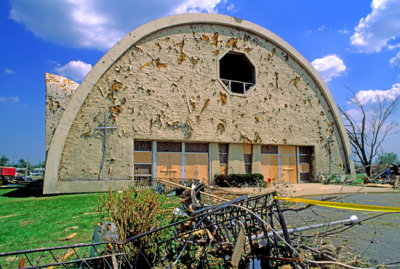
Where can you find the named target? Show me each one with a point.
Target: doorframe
(183, 163)
(154, 159)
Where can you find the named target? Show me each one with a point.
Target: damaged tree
(367, 135)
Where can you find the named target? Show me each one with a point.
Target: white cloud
(396, 59)
(9, 100)
(344, 31)
(192, 6)
(373, 96)
(9, 71)
(378, 28)
(75, 70)
(231, 8)
(97, 24)
(322, 28)
(354, 114)
(329, 66)
(395, 46)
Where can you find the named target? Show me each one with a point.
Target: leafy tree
(4, 161)
(367, 135)
(387, 157)
(23, 164)
(41, 164)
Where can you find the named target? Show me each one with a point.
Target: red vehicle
(7, 174)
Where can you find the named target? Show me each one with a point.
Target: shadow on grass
(26, 189)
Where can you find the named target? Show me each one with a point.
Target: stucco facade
(162, 83)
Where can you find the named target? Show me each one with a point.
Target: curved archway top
(61, 133)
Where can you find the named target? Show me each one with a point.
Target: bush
(239, 180)
(132, 213)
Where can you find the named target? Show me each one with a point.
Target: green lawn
(28, 222)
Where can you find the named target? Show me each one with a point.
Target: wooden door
(169, 165)
(288, 164)
(197, 166)
(269, 167)
(269, 163)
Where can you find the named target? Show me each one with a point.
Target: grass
(29, 222)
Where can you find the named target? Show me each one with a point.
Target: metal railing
(246, 86)
(207, 237)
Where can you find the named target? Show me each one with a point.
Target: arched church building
(193, 96)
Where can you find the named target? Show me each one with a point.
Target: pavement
(306, 189)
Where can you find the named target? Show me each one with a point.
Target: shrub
(132, 213)
(239, 180)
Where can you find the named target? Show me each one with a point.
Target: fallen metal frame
(205, 238)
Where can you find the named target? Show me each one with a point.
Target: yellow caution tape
(342, 205)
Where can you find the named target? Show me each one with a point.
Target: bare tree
(367, 135)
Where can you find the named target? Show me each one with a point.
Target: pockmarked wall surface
(162, 83)
(59, 91)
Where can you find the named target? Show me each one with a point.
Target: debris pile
(240, 233)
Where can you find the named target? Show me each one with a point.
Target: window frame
(226, 83)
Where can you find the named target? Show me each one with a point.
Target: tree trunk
(368, 170)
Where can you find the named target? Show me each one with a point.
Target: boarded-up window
(169, 156)
(223, 158)
(268, 149)
(169, 147)
(143, 162)
(142, 169)
(196, 161)
(288, 161)
(143, 145)
(270, 163)
(248, 158)
(305, 162)
(196, 147)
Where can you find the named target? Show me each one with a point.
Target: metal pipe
(353, 219)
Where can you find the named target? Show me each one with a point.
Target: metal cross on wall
(103, 131)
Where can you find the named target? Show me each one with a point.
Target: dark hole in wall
(237, 67)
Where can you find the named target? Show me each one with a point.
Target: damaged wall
(166, 87)
(59, 91)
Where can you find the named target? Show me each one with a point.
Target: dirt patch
(26, 222)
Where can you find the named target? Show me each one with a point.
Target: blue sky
(353, 44)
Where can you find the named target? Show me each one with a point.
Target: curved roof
(58, 142)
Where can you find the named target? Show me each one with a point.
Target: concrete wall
(59, 91)
(166, 87)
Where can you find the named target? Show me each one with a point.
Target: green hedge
(239, 180)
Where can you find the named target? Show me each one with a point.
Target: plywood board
(202, 166)
(293, 169)
(285, 169)
(269, 167)
(287, 150)
(169, 165)
(304, 168)
(274, 169)
(197, 166)
(143, 157)
(191, 166)
(265, 166)
(247, 149)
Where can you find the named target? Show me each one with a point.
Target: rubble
(239, 233)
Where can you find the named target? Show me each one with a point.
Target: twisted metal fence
(208, 238)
